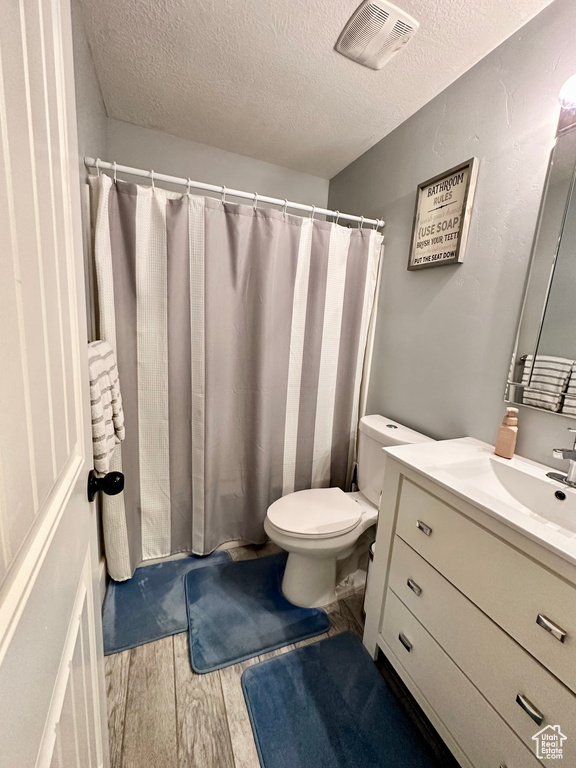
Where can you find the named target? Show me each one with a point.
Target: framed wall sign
(442, 217)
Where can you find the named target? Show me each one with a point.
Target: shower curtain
(240, 335)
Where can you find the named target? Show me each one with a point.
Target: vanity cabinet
(478, 620)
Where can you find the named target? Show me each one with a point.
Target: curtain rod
(90, 162)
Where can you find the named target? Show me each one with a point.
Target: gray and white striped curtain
(240, 336)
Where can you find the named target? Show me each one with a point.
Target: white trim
(72, 242)
(49, 736)
(38, 239)
(5, 549)
(53, 209)
(96, 666)
(91, 295)
(23, 572)
(102, 580)
(13, 248)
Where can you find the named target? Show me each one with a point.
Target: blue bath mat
(237, 611)
(150, 605)
(326, 706)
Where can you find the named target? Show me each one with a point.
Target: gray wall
(91, 114)
(445, 335)
(143, 148)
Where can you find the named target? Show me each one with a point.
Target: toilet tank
(375, 433)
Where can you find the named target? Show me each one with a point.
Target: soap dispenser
(507, 434)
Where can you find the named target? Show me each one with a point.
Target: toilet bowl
(321, 526)
(317, 528)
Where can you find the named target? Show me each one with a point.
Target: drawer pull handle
(530, 709)
(405, 642)
(549, 626)
(414, 587)
(423, 527)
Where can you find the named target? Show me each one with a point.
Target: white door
(51, 665)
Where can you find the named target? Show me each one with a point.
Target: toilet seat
(315, 513)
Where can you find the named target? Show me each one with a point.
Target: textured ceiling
(261, 77)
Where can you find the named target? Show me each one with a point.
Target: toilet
(322, 526)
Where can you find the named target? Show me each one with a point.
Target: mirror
(543, 370)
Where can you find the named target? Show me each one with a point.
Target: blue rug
(326, 706)
(152, 604)
(237, 611)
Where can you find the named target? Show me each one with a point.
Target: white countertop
(503, 488)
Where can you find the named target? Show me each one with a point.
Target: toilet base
(309, 582)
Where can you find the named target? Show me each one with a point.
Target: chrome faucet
(569, 454)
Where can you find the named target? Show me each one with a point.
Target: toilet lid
(316, 512)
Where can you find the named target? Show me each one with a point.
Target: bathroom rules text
(438, 219)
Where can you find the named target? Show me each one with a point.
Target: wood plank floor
(163, 715)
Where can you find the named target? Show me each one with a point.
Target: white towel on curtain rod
(105, 404)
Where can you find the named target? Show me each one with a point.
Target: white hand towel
(105, 403)
(549, 379)
(569, 406)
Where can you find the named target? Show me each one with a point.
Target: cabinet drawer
(481, 734)
(506, 584)
(474, 642)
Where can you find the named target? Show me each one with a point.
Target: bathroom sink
(516, 491)
(552, 500)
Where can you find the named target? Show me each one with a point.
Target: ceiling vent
(375, 32)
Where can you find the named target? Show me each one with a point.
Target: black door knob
(110, 484)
